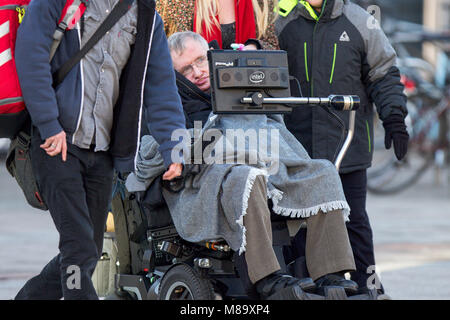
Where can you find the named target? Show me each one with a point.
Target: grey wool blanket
(214, 201)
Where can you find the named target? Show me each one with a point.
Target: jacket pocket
(334, 63)
(305, 54)
(363, 139)
(123, 36)
(342, 68)
(91, 23)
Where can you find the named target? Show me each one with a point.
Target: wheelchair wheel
(184, 283)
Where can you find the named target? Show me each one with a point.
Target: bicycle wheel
(387, 175)
(390, 176)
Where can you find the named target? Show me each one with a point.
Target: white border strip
(5, 57)
(4, 29)
(142, 93)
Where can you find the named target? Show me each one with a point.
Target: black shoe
(293, 293)
(280, 286)
(337, 280)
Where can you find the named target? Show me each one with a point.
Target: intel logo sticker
(257, 77)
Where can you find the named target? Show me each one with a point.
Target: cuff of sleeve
(401, 111)
(49, 129)
(255, 42)
(172, 153)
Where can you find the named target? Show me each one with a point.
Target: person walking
(334, 47)
(90, 124)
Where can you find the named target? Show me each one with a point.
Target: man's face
(315, 3)
(193, 64)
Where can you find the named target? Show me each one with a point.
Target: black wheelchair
(160, 265)
(164, 266)
(155, 262)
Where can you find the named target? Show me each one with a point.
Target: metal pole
(348, 140)
(339, 102)
(291, 100)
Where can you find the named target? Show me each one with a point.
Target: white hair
(178, 40)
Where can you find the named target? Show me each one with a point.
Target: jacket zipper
(16, 7)
(312, 62)
(82, 88)
(341, 123)
(142, 92)
(312, 57)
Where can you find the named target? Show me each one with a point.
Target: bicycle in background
(428, 116)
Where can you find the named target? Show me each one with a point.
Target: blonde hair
(207, 10)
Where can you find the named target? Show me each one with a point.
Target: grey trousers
(328, 247)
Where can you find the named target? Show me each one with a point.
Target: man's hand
(55, 145)
(395, 128)
(174, 171)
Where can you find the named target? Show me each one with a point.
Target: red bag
(13, 114)
(12, 107)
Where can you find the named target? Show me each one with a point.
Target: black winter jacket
(196, 103)
(341, 51)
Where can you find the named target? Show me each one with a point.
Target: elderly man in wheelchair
(232, 212)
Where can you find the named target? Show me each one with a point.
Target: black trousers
(78, 194)
(359, 229)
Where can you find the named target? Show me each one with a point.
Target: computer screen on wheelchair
(258, 82)
(238, 74)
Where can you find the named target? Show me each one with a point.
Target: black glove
(395, 129)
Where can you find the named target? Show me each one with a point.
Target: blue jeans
(78, 195)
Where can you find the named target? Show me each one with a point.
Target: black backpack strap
(119, 10)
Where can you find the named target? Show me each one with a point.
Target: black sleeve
(387, 93)
(255, 42)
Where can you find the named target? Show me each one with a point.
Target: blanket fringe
(276, 196)
(253, 173)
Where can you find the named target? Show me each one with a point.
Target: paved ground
(411, 233)
(412, 239)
